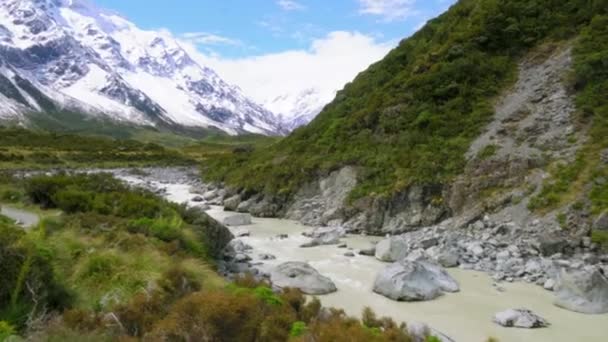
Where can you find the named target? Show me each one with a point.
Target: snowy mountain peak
(93, 60)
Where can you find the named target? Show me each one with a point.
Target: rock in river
(519, 318)
(238, 220)
(325, 236)
(392, 249)
(301, 275)
(582, 290)
(414, 281)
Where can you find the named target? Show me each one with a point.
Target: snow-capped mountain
(297, 109)
(69, 54)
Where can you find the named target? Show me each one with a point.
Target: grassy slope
(124, 265)
(410, 117)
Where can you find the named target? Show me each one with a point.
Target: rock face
(325, 236)
(320, 202)
(302, 276)
(238, 220)
(217, 236)
(583, 290)
(392, 249)
(519, 318)
(414, 281)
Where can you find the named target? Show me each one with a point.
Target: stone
(582, 290)
(302, 276)
(414, 281)
(476, 249)
(392, 249)
(370, 251)
(267, 257)
(282, 236)
(242, 258)
(503, 255)
(601, 222)
(242, 233)
(238, 220)
(342, 245)
(448, 257)
(237, 246)
(349, 254)
(325, 236)
(549, 284)
(232, 203)
(244, 206)
(550, 245)
(421, 332)
(428, 243)
(532, 267)
(198, 199)
(519, 318)
(209, 195)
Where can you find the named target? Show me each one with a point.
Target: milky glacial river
(465, 316)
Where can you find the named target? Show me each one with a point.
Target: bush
(297, 329)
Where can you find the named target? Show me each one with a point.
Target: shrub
(6, 330)
(297, 329)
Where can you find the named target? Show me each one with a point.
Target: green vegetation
(487, 152)
(590, 81)
(123, 264)
(410, 118)
(20, 148)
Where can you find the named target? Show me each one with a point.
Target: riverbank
(464, 316)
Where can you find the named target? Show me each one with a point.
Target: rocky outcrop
(301, 276)
(238, 220)
(414, 281)
(319, 203)
(216, 235)
(582, 290)
(519, 318)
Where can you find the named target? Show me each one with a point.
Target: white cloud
(204, 38)
(326, 66)
(290, 5)
(388, 10)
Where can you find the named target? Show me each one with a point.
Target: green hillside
(409, 118)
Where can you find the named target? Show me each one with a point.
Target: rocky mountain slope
(58, 55)
(492, 109)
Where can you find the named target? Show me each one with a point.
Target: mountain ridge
(94, 61)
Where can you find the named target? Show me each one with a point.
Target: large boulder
(325, 236)
(232, 203)
(238, 220)
(414, 281)
(519, 318)
(392, 249)
(582, 290)
(302, 276)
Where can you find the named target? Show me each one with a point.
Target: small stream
(464, 316)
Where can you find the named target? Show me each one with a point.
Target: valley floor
(464, 316)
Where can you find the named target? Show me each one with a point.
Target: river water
(465, 316)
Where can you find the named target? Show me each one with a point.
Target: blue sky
(240, 28)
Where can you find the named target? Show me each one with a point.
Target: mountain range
(69, 55)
